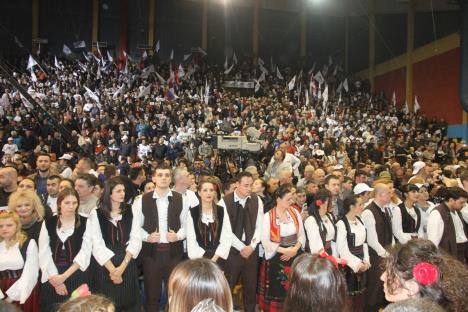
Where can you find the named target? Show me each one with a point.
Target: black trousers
(247, 269)
(155, 270)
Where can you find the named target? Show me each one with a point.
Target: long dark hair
(323, 195)
(61, 196)
(213, 207)
(104, 203)
(449, 291)
(315, 284)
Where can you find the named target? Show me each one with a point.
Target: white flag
(226, 63)
(119, 91)
(257, 86)
(262, 77)
(319, 96)
(145, 91)
(86, 57)
(227, 71)
(207, 92)
(109, 56)
(66, 50)
(261, 62)
(394, 99)
(186, 56)
(172, 55)
(335, 71)
(79, 44)
(92, 94)
(181, 71)
(306, 96)
(292, 83)
(345, 85)
(234, 58)
(33, 75)
(158, 46)
(406, 108)
(263, 69)
(340, 99)
(98, 50)
(56, 63)
(31, 62)
(325, 95)
(311, 71)
(416, 104)
(319, 78)
(278, 74)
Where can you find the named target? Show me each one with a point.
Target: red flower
(426, 273)
(318, 203)
(287, 270)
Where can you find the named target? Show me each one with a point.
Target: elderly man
(319, 176)
(8, 185)
(308, 176)
(277, 164)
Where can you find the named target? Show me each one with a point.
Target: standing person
(182, 184)
(333, 184)
(282, 238)
(319, 226)
(85, 187)
(351, 243)
(28, 206)
(446, 227)
(209, 233)
(50, 200)
(65, 247)
(378, 223)
(19, 267)
(162, 215)
(406, 217)
(116, 243)
(245, 211)
(8, 185)
(43, 171)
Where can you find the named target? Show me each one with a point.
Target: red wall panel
(390, 82)
(436, 83)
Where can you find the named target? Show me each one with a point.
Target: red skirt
(31, 305)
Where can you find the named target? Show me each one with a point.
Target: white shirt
(100, 252)
(313, 234)
(163, 204)
(435, 227)
(9, 149)
(193, 248)
(46, 262)
(11, 259)
(342, 247)
(286, 229)
(190, 197)
(397, 226)
(236, 242)
(52, 203)
(372, 238)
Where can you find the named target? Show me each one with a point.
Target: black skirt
(356, 282)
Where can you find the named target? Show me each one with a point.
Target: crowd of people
(112, 176)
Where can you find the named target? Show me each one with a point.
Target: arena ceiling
(342, 7)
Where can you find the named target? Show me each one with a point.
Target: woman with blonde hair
(19, 267)
(193, 281)
(30, 210)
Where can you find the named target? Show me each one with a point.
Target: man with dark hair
(137, 176)
(446, 227)
(50, 199)
(360, 177)
(245, 212)
(332, 183)
(42, 173)
(84, 186)
(162, 217)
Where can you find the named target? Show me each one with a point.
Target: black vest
(106, 226)
(34, 231)
(322, 228)
(383, 226)
(251, 205)
(350, 236)
(408, 224)
(74, 241)
(201, 233)
(151, 222)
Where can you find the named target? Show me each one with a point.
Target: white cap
(418, 166)
(361, 188)
(124, 137)
(66, 156)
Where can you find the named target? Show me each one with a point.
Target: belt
(7, 274)
(163, 247)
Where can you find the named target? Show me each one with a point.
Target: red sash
(275, 229)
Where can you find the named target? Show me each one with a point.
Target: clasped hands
(57, 281)
(156, 236)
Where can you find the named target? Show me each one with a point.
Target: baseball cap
(418, 166)
(361, 188)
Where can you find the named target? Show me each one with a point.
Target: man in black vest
(446, 227)
(245, 211)
(162, 218)
(378, 223)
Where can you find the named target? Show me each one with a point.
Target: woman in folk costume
(319, 226)
(283, 238)
(19, 267)
(351, 243)
(209, 233)
(116, 244)
(65, 247)
(30, 210)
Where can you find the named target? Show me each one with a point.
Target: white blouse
(286, 229)
(46, 261)
(313, 234)
(11, 259)
(193, 248)
(342, 247)
(435, 228)
(397, 225)
(100, 252)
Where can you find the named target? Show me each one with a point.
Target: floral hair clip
(336, 261)
(426, 273)
(80, 292)
(318, 203)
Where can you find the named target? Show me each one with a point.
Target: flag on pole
(345, 85)
(260, 61)
(145, 91)
(319, 78)
(227, 71)
(313, 87)
(292, 83)
(119, 91)
(56, 63)
(262, 77)
(394, 99)
(335, 71)
(325, 95)
(92, 94)
(278, 74)
(79, 44)
(66, 50)
(186, 56)
(406, 108)
(306, 96)
(340, 99)
(226, 65)
(263, 69)
(181, 71)
(86, 57)
(31, 62)
(33, 75)
(109, 56)
(234, 58)
(319, 96)
(158, 47)
(39, 49)
(172, 55)
(416, 104)
(144, 56)
(257, 86)
(207, 92)
(311, 71)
